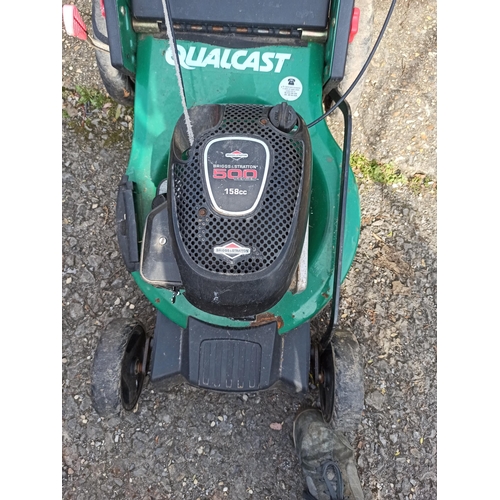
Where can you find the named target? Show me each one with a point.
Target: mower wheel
(119, 86)
(118, 371)
(341, 386)
(357, 53)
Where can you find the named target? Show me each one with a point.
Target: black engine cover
(239, 204)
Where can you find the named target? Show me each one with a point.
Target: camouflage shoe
(327, 459)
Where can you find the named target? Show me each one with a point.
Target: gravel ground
(192, 444)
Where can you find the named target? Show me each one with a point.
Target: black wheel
(341, 388)
(118, 372)
(119, 86)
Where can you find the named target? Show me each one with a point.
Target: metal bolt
(162, 240)
(202, 212)
(263, 121)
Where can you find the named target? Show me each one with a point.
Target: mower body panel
(265, 75)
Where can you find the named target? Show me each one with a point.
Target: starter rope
(180, 83)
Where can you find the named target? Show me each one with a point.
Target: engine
(228, 224)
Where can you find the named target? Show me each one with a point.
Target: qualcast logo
(201, 57)
(236, 155)
(232, 250)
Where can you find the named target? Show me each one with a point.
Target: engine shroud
(239, 204)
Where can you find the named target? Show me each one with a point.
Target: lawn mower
(238, 215)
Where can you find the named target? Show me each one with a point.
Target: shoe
(327, 459)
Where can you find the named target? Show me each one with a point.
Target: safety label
(290, 88)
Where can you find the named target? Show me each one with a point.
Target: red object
(73, 22)
(102, 9)
(354, 24)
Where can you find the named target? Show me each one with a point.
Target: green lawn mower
(238, 215)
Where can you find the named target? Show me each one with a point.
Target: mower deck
(258, 75)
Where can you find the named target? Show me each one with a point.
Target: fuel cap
(283, 117)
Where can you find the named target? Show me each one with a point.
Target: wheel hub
(326, 382)
(133, 374)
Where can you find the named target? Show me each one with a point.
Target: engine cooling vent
(266, 230)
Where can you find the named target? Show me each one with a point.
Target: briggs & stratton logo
(232, 250)
(236, 155)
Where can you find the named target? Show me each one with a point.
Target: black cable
(363, 69)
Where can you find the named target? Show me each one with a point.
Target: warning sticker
(290, 88)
